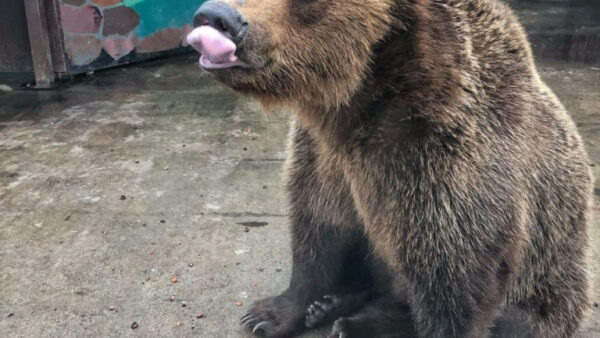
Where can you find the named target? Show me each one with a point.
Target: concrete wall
(562, 30)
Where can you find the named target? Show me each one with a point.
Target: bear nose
(223, 17)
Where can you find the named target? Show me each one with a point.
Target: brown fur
(424, 133)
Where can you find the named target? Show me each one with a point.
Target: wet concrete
(117, 183)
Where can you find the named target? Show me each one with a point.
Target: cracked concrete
(116, 183)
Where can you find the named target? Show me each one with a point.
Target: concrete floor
(120, 181)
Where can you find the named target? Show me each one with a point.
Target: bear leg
(384, 317)
(316, 269)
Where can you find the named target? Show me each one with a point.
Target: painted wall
(101, 33)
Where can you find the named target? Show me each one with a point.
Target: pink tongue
(212, 44)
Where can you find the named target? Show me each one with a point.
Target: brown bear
(434, 180)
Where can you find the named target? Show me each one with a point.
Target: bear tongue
(213, 44)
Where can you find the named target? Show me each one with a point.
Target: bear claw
(260, 326)
(338, 330)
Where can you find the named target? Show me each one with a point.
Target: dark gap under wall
(15, 55)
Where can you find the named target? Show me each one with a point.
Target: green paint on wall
(160, 14)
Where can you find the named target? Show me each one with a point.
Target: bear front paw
(274, 317)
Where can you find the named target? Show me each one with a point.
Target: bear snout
(222, 17)
(219, 29)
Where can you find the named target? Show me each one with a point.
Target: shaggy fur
(429, 168)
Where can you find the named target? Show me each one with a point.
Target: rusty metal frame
(45, 38)
(55, 32)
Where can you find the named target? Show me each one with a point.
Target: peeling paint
(122, 27)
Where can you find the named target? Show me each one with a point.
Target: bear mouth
(218, 51)
(208, 64)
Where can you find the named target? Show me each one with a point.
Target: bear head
(292, 52)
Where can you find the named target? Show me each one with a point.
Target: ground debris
(134, 325)
(5, 88)
(253, 224)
